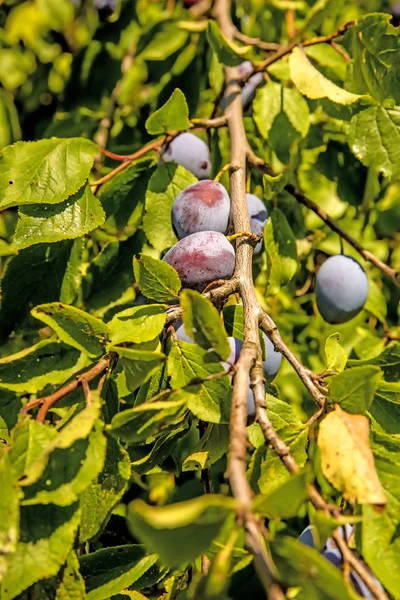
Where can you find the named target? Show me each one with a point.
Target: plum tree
(203, 206)
(191, 152)
(258, 216)
(249, 88)
(201, 258)
(332, 553)
(341, 289)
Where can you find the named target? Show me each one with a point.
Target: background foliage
(90, 498)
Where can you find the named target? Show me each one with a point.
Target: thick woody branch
(251, 352)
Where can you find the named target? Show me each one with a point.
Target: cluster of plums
(200, 217)
(331, 552)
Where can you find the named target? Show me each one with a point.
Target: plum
(189, 3)
(331, 552)
(105, 7)
(341, 289)
(258, 216)
(201, 258)
(191, 152)
(203, 206)
(271, 366)
(249, 88)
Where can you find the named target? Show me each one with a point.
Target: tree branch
(48, 401)
(287, 48)
(251, 352)
(368, 256)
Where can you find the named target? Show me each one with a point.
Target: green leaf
(148, 419)
(155, 454)
(292, 431)
(164, 186)
(47, 536)
(70, 219)
(172, 116)
(75, 327)
(388, 361)
(286, 500)
(78, 428)
(374, 45)
(71, 288)
(69, 472)
(29, 439)
(44, 172)
(180, 532)
(274, 99)
(139, 365)
(280, 245)
(9, 512)
(385, 409)
(98, 500)
(376, 301)
(72, 586)
(156, 279)
(30, 280)
(374, 138)
(380, 542)
(336, 357)
(203, 324)
(110, 570)
(312, 84)
(47, 362)
(354, 389)
(210, 447)
(228, 53)
(137, 324)
(305, 568)
(209, 401)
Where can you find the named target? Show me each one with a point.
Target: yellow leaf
(346, 457)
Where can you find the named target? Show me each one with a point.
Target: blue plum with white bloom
(341, 289)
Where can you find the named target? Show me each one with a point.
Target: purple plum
(191, 152)
(258, 216)
(331, 552)
(249, 88)
(341, 289)
(201, 258)
(203, 206)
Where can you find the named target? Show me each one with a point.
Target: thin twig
(47, 402)
(368, 256)
(251, 41)
(101, 136)
(287, 48)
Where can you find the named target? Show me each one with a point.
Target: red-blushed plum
(249, 88)
(191, 152)
(201, 258)
(341, 289)
(203, 206)
(189, 3)
(258, 216)
(332, 553)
